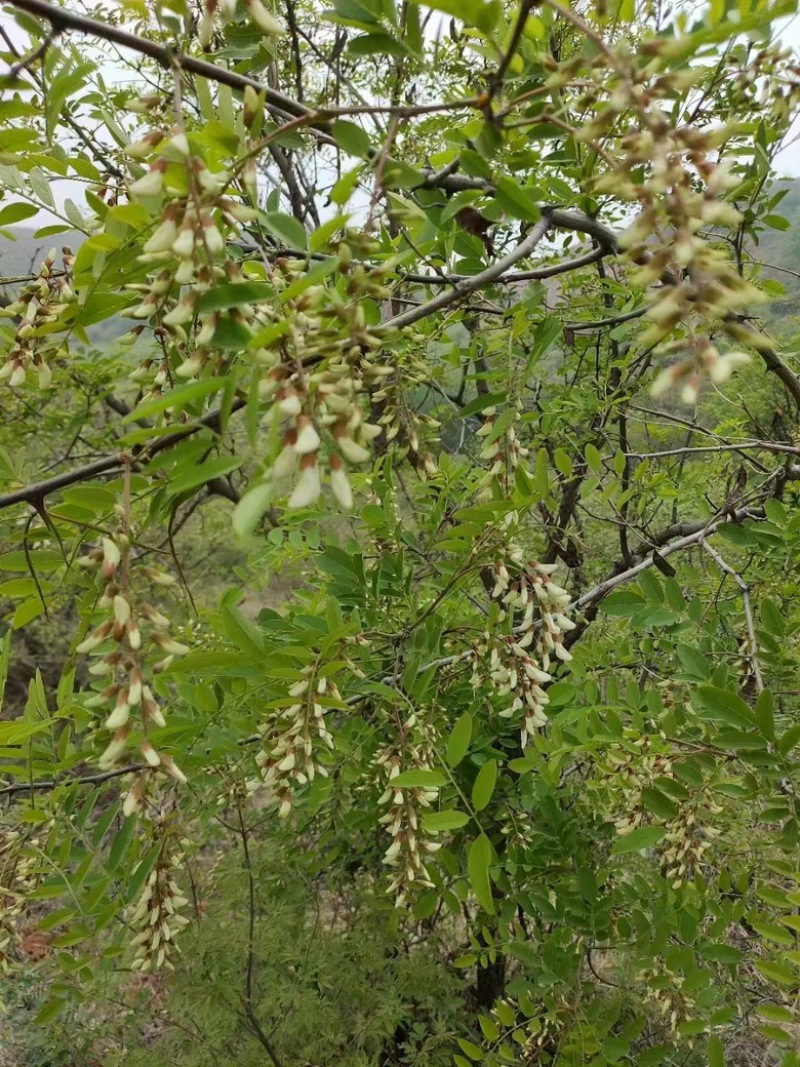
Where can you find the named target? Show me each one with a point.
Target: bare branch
(748, 610)
(469, 285)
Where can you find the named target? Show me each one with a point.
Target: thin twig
(748, 610)
(249, 991)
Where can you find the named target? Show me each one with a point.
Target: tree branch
(33, 494)
(53, 783)
(534, 275)
(469, 285)
(748, 610)
(62, 19)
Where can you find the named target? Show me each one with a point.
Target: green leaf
(484, 785)
(201, 473)
(478, 860)
(229, 296)
(765, 714)
(343, 189)
(593, 460)
(286, 228)
(659, 804)
(563, 462)
(636, 840)
(178, 399)
(458, 742)
(517, 200)
(722, 705)
(777, 972)
(625, 602)
(351, 138)
(17, 733)
(776, 222)
(651, 587)
(40, 184)
(473, 12)
(50, 1010)
(481, 402)
(772, 618)
(18, 212)
(694, 663)
(26, 612)
(418, 780)
(121, 843)
(472, 1050)
(444, 820)
(370, 44)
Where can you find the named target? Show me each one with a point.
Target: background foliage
(399, 534)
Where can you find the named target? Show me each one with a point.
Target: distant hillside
(23, 255)
(778, 252)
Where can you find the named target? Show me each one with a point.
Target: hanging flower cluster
(319, 353)
(156, 916)
(43, 307)
(20, 873)
(132, 632)
(521, 1032)
(287, 757)
(404, 427)
(327, 398)
(188, 245)
(682, 191)
(501, 450)
(411, 844)
(663, 990)
(689, 836)
(517, 665)
(633, 770)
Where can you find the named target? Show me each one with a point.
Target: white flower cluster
(121, 651)
(225, 10)
(318, 352)
(286, 759)
(688, 838)
(681, 192)
(502, 450)
(689, 834)
(632, 771)
(411, 843)
(327, 399)
(519, 663)
(189, 244)
(40, 306)
(663, 991)
(20, 873)
(699, 357)
(156, 917)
